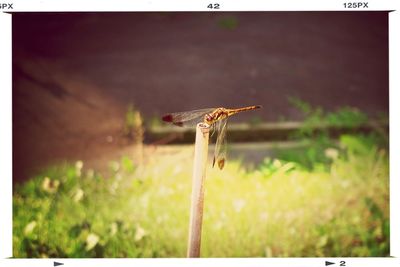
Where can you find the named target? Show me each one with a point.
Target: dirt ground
(74, 74)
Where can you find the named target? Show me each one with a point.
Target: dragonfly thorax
(216, 115)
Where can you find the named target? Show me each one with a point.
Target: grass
(338, 206)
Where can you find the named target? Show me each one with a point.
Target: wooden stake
(199, 175)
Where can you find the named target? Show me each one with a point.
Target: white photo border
(174, 5)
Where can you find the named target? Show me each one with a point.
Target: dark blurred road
(75, 73)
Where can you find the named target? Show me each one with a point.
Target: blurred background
(89, 90)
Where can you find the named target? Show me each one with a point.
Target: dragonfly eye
(208, 117)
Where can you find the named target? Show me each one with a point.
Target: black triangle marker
(57, 263)
(328, 263)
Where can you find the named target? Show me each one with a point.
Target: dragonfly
(217, 118)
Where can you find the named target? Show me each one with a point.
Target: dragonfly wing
(220, 145)
(187, 118)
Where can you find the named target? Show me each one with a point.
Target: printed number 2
(213, 6)
(342, 263)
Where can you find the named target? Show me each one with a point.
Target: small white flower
(78, 168)
(114, 165)
(276, 163)
(264, 216)
(331, 153)
(79, 164)
(165, 191)
(218, 225)
(78, 195)
(91, 241)
(113, 187)
(118, 177)
(268, 252)
(238, 204)
(178, 169)
(113, 228)
(140, 233)
(30, 227)
(345, 183)
(50, 186)
(46, 183)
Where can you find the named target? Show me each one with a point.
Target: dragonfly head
(208, 119)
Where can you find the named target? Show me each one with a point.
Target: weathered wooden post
(199, 175)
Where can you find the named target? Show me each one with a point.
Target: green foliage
(346, 117)
(228, 22)
(315, 133)
(300, 105)
(314, 155)
(255, 120)
(127, 165)
(279, 209)
(327, 199)
(129, 119)
(154, 121)
(133, 127)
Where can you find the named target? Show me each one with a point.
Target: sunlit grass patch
(278, 209)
